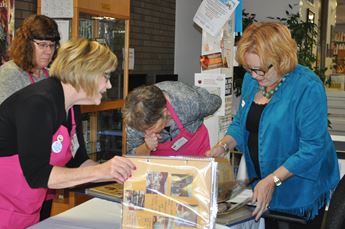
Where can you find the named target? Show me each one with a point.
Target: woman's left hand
(262, 195)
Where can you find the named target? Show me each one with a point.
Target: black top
(28, 120)
(252, 125)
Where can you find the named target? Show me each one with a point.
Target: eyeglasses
(107, 76)
(258, 72)
(44, 45)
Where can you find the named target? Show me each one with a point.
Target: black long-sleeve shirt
(28, 120)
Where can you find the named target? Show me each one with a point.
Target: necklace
(269, 94)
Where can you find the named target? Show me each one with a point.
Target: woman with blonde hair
(42, 143)
(282, 129)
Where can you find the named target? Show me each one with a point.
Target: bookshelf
(338, 48)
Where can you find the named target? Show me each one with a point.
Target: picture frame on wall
(310, 16)
(6, 27)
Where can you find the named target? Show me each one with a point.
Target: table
(100, 213)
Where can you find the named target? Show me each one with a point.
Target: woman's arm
(223, 146)
(264, 189)
(116, 169)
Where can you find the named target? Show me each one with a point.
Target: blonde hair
(81, 63)
(272, 42)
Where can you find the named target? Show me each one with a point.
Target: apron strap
(45, 71)
(31, 78)
(174, 116)
(73, 122)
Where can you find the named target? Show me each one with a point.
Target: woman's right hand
(118, 169)
(223, 147)
(151, 141)
(216, 151)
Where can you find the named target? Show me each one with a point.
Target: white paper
(213, 14)
(341, 163)
(57, 9)
(211, 44)
(63, 26)
(242, 173)
(215, 84)
(242, 196)
(131, 57)
(234, 56)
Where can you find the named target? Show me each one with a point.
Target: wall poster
(6, 27)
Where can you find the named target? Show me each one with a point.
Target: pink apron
(20, 205)
(185, 143)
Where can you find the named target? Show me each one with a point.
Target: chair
(335, 218)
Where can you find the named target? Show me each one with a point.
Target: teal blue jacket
(293, 133)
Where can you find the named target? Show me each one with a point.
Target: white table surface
(96, 213)
(338, 138)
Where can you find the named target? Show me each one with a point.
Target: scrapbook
(171, 192)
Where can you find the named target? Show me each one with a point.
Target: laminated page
(170, 192)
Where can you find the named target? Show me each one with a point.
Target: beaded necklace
(269, 94)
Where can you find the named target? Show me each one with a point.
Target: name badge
(179, 143)
(243, 103)
(74, 145)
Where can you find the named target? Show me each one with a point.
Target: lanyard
(31, 78)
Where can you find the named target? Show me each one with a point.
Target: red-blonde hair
(272, 42)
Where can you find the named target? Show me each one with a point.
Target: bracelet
(224, 146)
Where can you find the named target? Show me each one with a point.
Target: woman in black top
(40, 138)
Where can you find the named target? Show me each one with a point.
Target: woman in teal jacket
(282, 128)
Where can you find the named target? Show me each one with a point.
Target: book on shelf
(111, 192)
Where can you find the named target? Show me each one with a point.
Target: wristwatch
(277, 181)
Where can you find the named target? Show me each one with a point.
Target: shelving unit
(106, 21)
(338, 50)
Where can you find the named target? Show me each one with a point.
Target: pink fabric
(61, 159)
(197, 145)
(20, 204)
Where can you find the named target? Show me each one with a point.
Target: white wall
(187, 41)
(268, 8)
(277, 8)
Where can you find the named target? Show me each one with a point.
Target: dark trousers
(316, 223)
(46, 209)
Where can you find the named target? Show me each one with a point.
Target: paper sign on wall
(57, 9)
(214, 83)
(212, 14)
